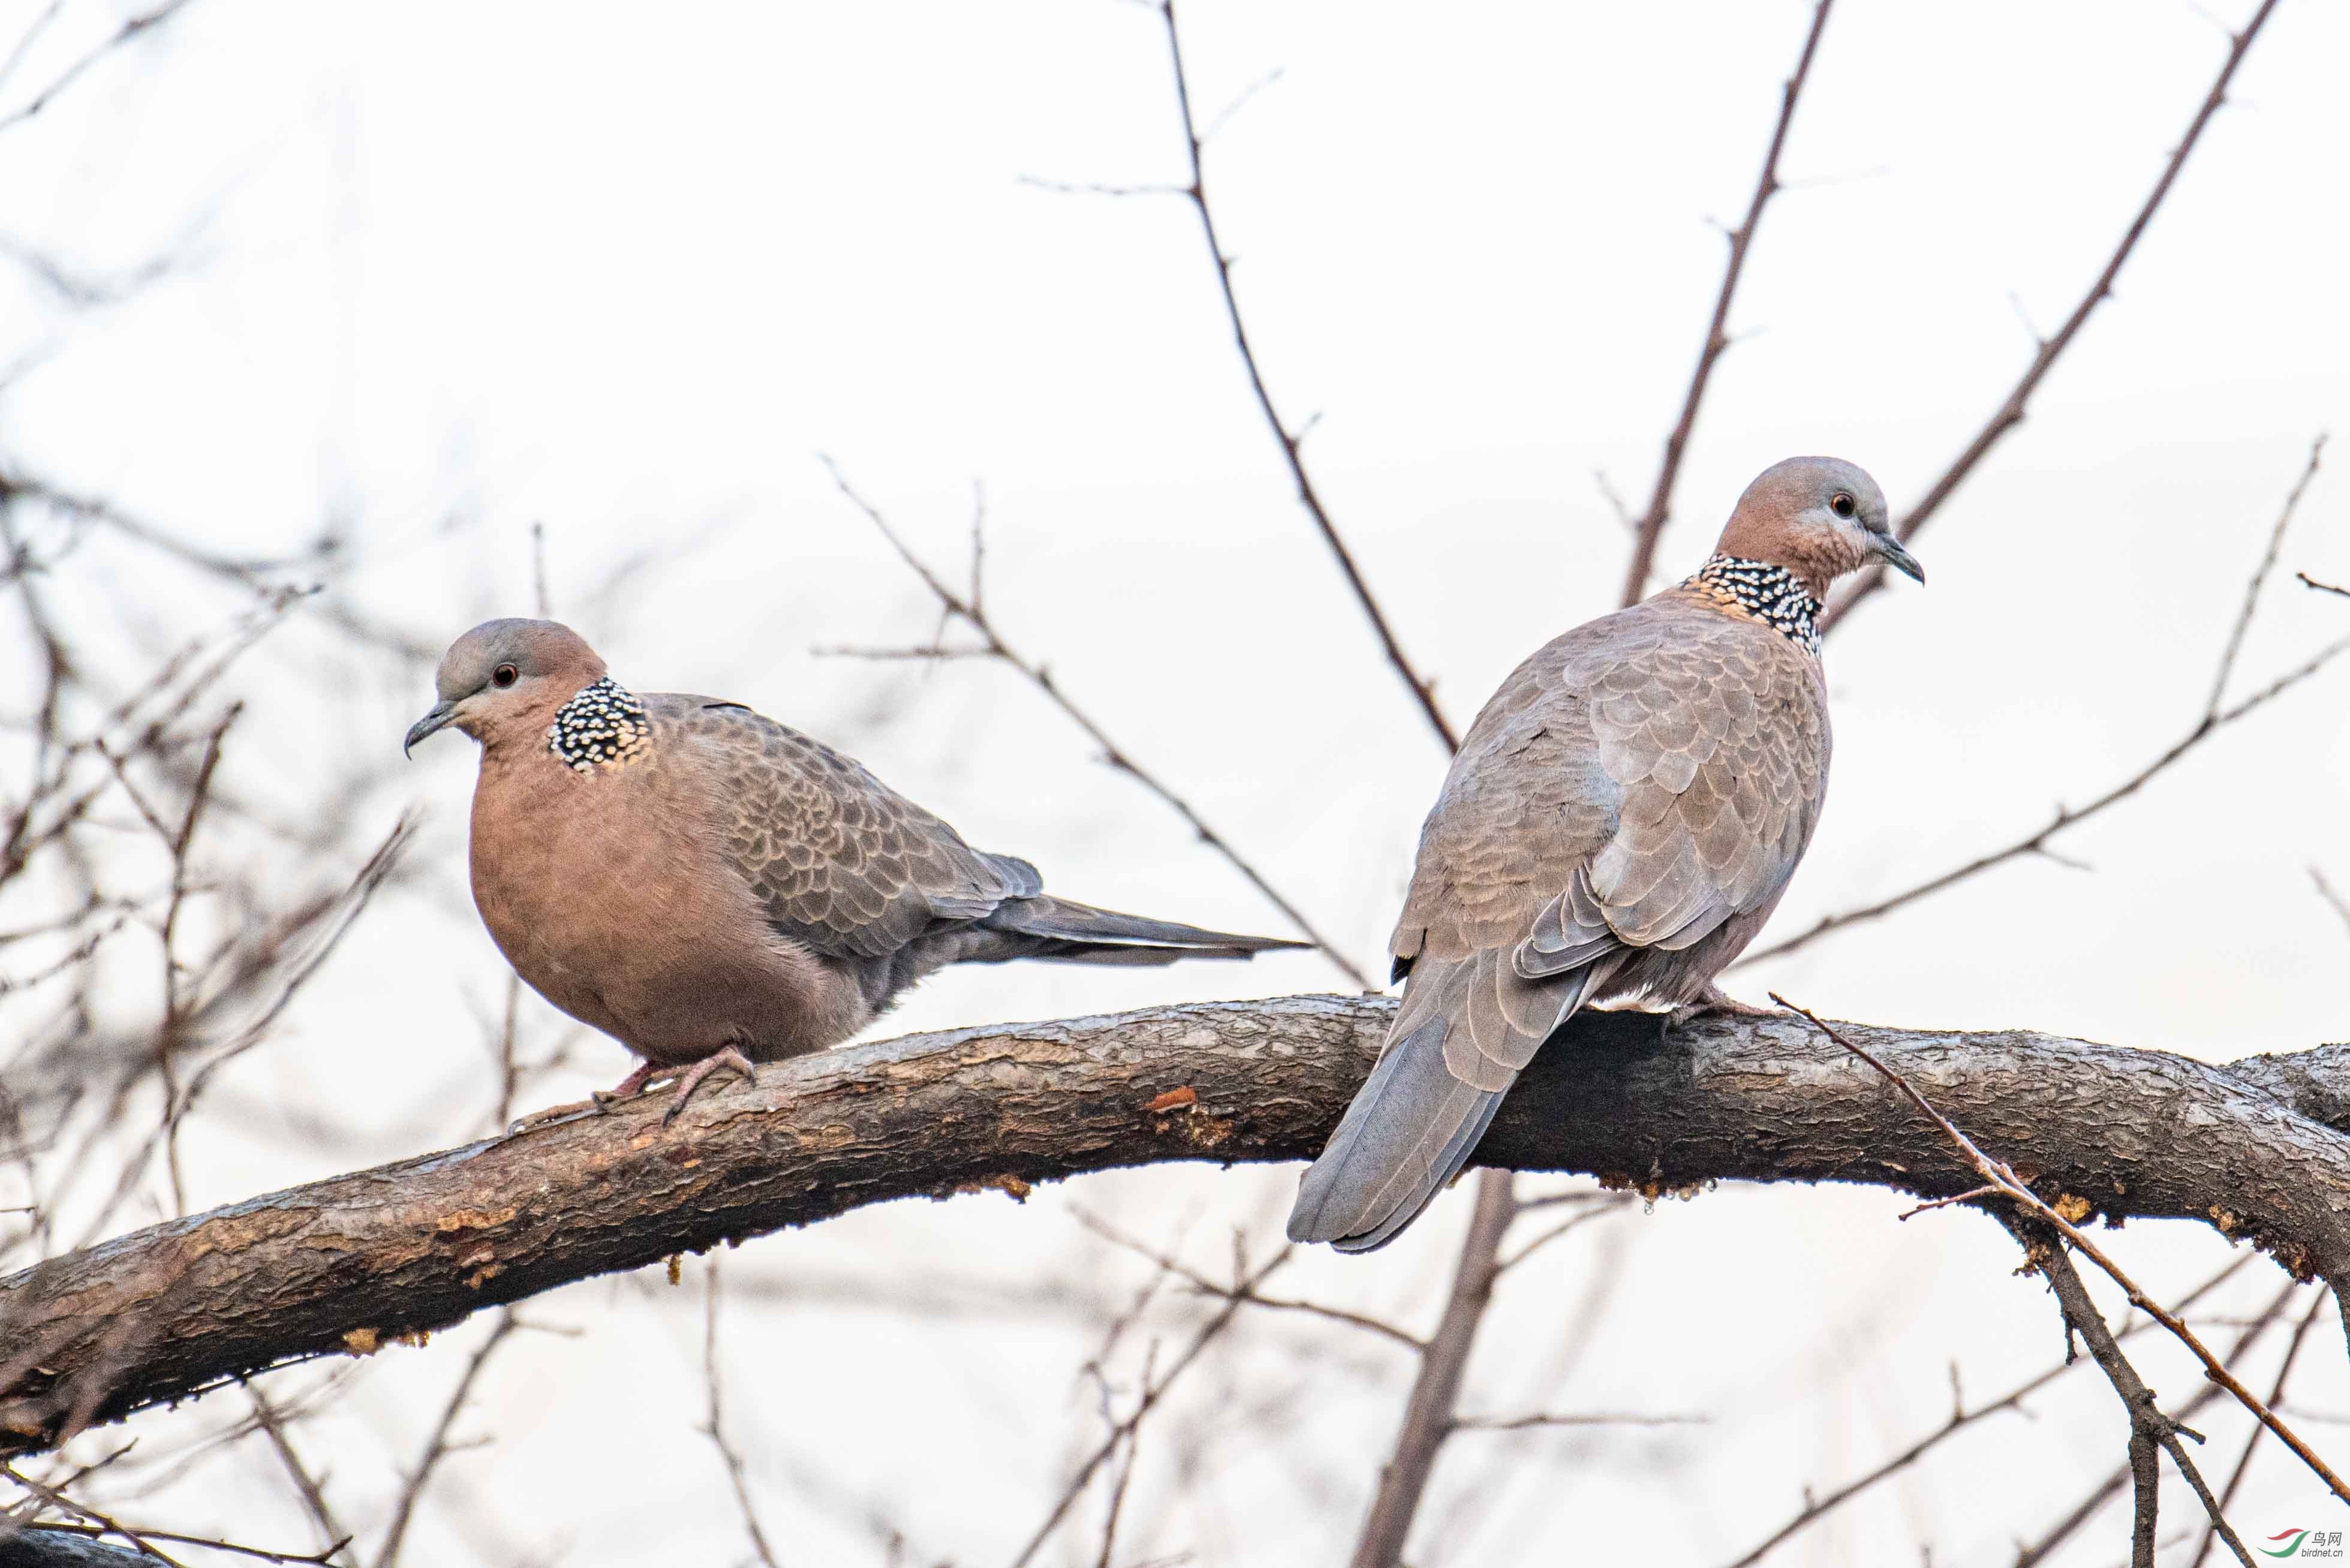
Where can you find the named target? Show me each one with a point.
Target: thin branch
(2065, 818)
(1570, 1419)
(437, 1448)
(27, 38)
(1817, 1508)
(1239, 1292)
(1133, 1437)
(2260, 576)
(1651, 526)
(2252, 1443)
(715, 1429)
(2039, 1550)
(95, 1524)
(1293, 449)
(2310, 582)
(2333, 900)
(2013, 1187)
(2149, 1427)
(542, 604)
(1427, 1417)
(272, 1423)
(2009, 413)
(72, 73)
(1610, 1203)
(974, 615)
(1122, 1433)
(2152, 1433)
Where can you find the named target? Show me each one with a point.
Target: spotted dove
(713, 889)
(1620, 821)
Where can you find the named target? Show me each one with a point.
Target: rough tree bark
(350, 1263)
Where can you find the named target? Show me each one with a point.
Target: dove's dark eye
(1843, 505)
(504, 675)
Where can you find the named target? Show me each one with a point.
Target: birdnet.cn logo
(2301, 1544)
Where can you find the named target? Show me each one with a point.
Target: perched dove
(1620, 821)
(713, 889)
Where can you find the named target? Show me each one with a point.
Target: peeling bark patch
(1005, 1183)
(363, 1340)
(476, 1220)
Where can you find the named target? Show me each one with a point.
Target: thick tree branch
(353, 1261)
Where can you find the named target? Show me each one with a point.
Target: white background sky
(450, 270)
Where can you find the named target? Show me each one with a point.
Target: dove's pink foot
(732, 1060)
(602, 1101)
(1712, 999)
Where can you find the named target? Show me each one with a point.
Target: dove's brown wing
(847, 867)
(1642, 784)
(840, 861)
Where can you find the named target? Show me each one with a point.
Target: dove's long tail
(1042, 926)
(1463, 1033)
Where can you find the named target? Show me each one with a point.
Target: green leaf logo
(2289, 1548)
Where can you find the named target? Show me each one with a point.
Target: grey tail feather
(1062, 929)
(1409, 1130)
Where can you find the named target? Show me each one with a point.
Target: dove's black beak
(442, 714)
(1890, 550)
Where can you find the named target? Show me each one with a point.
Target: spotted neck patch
(603, 726)
(1772, 594)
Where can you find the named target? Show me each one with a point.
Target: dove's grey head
(507, 676)
(1819, 517)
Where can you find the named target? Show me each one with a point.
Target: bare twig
(2039, 1550)
(542, 605)
(1816, 1508)
(1651, 525)
(1609, 1203)
(2013, 1187)
(2310, 582)
(2252, 1443)
(974, 615)
(1569, 1418)
(1133, 1437)
(1293, 441)
(72, 73)
(1427, 1417)
(272, 1422)
(1246, 1282)
(94, 1525)
(714, 1428)
(2067, 817)
(1238, 1291)
(2152, 1433)
(437, 1448)
(2333, 900)
(2009, 413)
(2036, 842)
(2260, 576)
